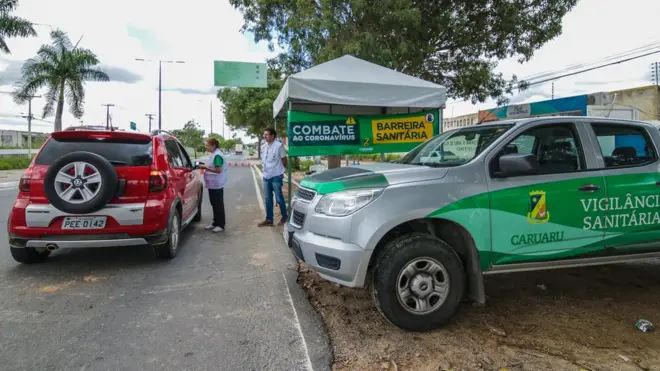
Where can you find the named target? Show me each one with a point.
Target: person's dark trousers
(217, 199)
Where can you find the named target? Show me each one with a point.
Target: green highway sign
(240, 74)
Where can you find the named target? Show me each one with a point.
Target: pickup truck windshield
(456, 147)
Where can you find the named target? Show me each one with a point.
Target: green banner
(316, 134)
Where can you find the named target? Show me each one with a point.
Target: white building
(459, 121)
(19, 139)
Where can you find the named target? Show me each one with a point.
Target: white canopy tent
(352, 86)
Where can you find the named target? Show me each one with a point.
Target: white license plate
(84, 222)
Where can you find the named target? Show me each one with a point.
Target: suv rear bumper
(88, 241)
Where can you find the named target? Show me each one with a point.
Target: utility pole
(150, 116)
(160, 85)
(30, 123)
(29, 118)
(107, 115)
(655, 73)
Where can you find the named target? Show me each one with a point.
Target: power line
(595, 68)
(557, 74)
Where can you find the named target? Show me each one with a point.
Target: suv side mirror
(517, 164)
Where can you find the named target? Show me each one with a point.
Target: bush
(14, 163)
(305, 165)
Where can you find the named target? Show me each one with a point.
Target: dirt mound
(553, 320)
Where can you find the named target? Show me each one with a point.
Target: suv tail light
(157, 181)
(24, 183)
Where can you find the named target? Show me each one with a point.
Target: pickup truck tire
(418, 282)
(169, 249)
(97, 178)
(29, 255)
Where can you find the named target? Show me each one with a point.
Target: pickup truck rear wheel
(29, 255)
(418, 282)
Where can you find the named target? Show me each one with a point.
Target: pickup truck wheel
(198, 216)
(29, 255)
(169, 249)
(418, 282)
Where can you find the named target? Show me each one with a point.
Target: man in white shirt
(273, 162)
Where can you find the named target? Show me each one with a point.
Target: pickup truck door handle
(589, 188)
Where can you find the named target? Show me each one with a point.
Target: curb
(286, 180)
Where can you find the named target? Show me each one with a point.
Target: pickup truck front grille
(297, 219)
(305, 194)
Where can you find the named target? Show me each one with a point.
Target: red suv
(98, 188)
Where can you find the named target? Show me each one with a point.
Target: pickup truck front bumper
(333, 259)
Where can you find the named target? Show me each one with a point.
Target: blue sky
(207, 30)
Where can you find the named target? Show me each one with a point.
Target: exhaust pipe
(51, 247)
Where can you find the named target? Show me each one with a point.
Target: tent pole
(288, 168)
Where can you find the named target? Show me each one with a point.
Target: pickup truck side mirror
(517, 164)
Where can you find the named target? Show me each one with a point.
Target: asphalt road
(228, 301)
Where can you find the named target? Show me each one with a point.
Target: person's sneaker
(217, 229)
(282, 222)
(265, 223)
(209, 227)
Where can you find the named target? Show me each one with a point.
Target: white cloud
(593, 30)
(200, 31)
(197, 32)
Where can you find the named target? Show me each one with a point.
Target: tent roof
(350, 81)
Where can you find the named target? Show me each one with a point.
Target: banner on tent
(311, 134)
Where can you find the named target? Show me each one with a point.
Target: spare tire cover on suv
(80, 183)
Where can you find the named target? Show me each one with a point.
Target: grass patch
(14, 163)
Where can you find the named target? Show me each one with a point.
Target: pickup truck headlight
(344, 203)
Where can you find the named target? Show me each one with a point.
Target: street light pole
(160, 85)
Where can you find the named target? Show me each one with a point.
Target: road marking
(308, 360)
(256, 188)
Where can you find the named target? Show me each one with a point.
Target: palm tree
(62, 69)
(12, 26)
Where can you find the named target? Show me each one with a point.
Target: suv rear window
(118, 152)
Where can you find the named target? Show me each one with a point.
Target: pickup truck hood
(366, 176)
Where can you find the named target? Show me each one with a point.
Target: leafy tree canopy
(251, 109)
(455, 43)
(191, 135)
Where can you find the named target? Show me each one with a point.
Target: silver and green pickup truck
(512, 196)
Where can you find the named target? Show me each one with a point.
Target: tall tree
(251, 109)
(11, 25)
(62, 69)
(455, 43)
(191, 135)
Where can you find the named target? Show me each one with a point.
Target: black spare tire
(80, 183)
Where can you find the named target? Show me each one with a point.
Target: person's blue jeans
(274, 185)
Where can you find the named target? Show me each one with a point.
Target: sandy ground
(554, 320)
(571, 319)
